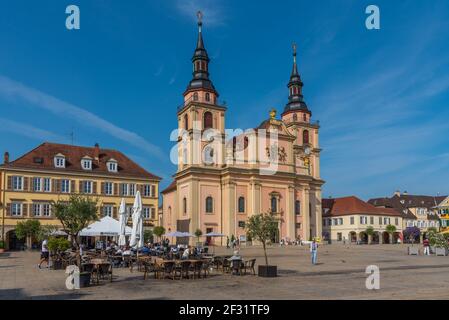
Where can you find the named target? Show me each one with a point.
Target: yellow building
(52, 172)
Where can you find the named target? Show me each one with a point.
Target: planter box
(85, 279)
(57, 265)
(441, 252)
(413, 251)
(268, 271)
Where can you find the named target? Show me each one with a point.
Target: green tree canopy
(26, 228)
(369, 231)
(198, 234)
(158, 231)
(262, 227)
(76, 214)
(390, 229)
(148, 236)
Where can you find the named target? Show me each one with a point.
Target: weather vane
(294, 48)
(199, 14)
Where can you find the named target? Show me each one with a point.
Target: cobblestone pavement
(340, 274)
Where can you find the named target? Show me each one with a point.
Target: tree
(76, 214)
(198, 234)
(45, 232)
(370, 232)
(411, 233)
(158, 231)
(28, 229)
(261, 227)
(148, 236)
(391, 229)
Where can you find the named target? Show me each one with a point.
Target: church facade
(223, 179)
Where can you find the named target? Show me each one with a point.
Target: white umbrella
(176, 234)
(137, 230)
(123, 219)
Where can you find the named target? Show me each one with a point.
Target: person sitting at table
(186, 254)
(127, 252)
(236, 256)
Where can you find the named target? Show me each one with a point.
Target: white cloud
(28, 131)
(15, 90)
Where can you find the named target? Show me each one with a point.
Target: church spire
(200, 61)
(295, 97)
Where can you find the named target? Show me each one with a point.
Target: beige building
(347, 219)
(416, 210)
(52, 172)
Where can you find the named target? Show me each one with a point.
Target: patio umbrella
(123, 219)
(137, 230)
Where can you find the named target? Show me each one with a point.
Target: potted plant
(2, 246)
(198, 234)
(441, 246)
(262, 227)
(411, 233)
(56, 247)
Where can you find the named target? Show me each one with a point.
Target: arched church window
(209, 204)
(207, 120)
(195, 96)
(274, 204)
(304, 117)
(297, 207)
(305, 137)
(241, 204)
(184, 206)
(207, 96)
(186, 121)
(295, 117)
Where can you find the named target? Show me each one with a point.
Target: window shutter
(57, 185)
(26, 183)
(94, 187)
(8, 208)
(120, 189)
(153, 190)
(81, 190)
(115, 189)
(114, 212)
(72, 186)
(32, 183)
(24, 210)
(103, 190)
(9, 182)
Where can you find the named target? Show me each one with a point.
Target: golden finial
(273, 114)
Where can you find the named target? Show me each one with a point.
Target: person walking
(313, 251)
(44, 253)
(227, 242)
(426, 245)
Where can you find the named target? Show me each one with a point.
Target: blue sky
(381, 96)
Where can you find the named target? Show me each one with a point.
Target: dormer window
(112, 165)
(59, 161)
(86, 163)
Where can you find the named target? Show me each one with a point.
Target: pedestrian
(313, 250)
(227, 242)
(426, 246)
(44, 253)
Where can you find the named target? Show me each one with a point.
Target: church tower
(201, 113)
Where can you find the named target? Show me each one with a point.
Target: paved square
(340, 274)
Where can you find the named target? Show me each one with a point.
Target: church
(222, 179)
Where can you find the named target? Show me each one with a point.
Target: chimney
(97, 152)
(6, 158)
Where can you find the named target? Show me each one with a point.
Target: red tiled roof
(353, 205)
(42, 158)
(171, 187)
